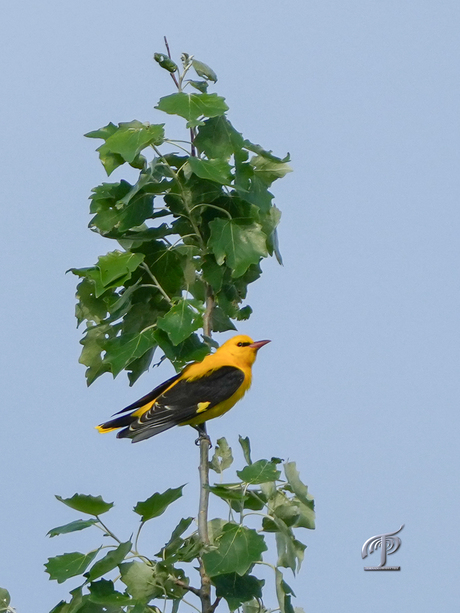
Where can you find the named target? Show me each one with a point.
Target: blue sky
(360, 385)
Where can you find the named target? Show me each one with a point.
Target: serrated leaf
(157, 504)
(299, 488)
(92, 505)
(110, 561)
(204, 71)
(61, 568)
(132, 137)
(261, 471)
(122, 350)
(217, 138)
(211, 170)
(115, 268)
(306, 517)
(180, 322)
(222, 457)
(220, 322)
(269, 170)
(190, 350)
(246, 447)
(139, 579)
(237, 549)
(236, 589)
(264, 153)
(193, 106)
(103, 592)
(74, 526)
(93, 341)
(238, 245)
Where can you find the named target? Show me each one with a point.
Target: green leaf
(237, 549)
(236, 589)
(175, 542)
(261, 471)
(306, 517)
(256, 193)
(132, 137)
(283, 593)
(139, 579)
(89, 307)
(110, 561)
(69, 565)
(254, 606)
(217, 138)
(92, 505)
(204, 71)
(222, 458)
(103, 592)
(115, 269)
(212, 170)
(238, 245)
(122, 350)
(190, 350)
(180, 322)
(109, 160)
(93, 341)
(201, 86)
(220, 322)
(74, 526)
(286, 551)
(165, 62)
(269, 170)
(5, 599)
(157, 504)
(246, 447)
(299, 488)
(212, 272)
(193, 106)
(264, 153)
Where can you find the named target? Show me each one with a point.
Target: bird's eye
(243, 344)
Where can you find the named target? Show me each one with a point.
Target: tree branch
(205, 592)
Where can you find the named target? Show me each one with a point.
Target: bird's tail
(114, 424)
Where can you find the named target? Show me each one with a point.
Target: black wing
(180, 403)
(151, 395)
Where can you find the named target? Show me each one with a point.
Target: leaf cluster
(190, 232)
(118, 578)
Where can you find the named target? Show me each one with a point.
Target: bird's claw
(203, 435)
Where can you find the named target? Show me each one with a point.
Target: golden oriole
(202, 391)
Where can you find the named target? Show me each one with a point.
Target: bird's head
(242, 348)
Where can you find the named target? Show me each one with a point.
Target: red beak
(258, 344)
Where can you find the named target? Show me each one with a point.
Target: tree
(191, 234)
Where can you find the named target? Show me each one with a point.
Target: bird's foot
(203, 435)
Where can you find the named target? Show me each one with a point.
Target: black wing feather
(151, 395)
(179, 404)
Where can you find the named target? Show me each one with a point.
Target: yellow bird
(202, 391)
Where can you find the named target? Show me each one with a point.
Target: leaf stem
(109, 532)
(157, 284)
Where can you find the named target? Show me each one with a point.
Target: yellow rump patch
(202, 406)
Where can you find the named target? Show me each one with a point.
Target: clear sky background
(360, 385)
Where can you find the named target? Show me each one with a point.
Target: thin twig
(190, 588)
(173, 76)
